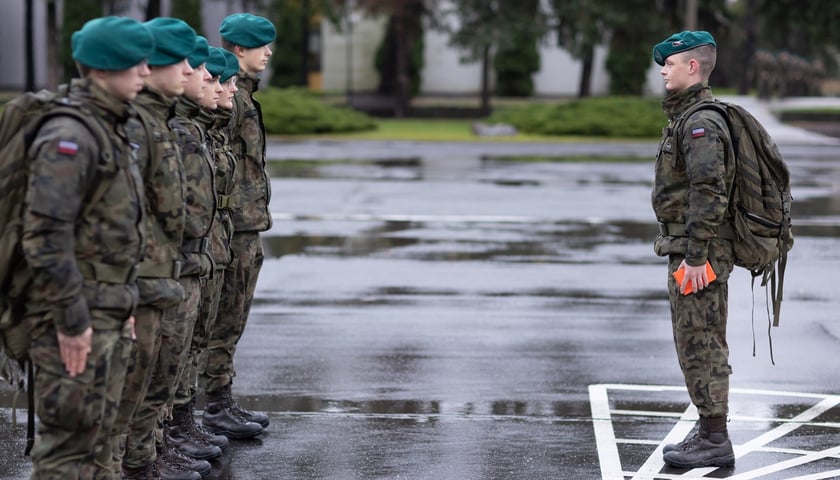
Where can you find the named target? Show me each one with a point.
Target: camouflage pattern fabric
(703, 174)
(158, 134)
(176, 343)
(240, 281)
(76, 414)
(141, 365)
(199, 183)
(252, 190)
(164, 186)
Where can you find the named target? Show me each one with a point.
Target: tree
(190, 12)
(474, 28)
(404, 14)
(580, 28)
(517, 57)
(76, 13)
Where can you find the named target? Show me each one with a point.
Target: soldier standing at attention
(246, 36)
(694, 169)
(222, 231)
(199, 275)
(84, 256)
(148, 386)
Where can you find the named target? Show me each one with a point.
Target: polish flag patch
(698, 132)
(67, 148)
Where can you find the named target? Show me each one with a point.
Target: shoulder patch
(66, 147)
(698, 132)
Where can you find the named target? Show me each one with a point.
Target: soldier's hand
(74, 350)
(696, 275)
(131, 323)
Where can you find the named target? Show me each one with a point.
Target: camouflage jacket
(163, 176)
(199, 174)
(252, 193)
(222, 231)
(692, 182)
(81, 265)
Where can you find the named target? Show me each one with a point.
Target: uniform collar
(676, 103)
(99, 99)
(247, 81)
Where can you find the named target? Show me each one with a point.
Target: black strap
(30, 414)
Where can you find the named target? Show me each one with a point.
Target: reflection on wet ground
(444, 318)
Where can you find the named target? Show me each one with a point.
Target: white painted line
(818, 476)
(610, 460)
(681, 429)
(794, 462)
(604, 434)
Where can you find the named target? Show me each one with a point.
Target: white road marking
(610, 460)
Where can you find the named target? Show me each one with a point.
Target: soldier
(199, 275)
(222, 232)
(246, 36)
(160, 338)
(84, 257)
(690, 201)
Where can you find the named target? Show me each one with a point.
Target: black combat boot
(690, 439)
(173, 465)
(221, 417)
(710, 447)
(256, 417)
(146, 472)
(198, 430)
(183, 435)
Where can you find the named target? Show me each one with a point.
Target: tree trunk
(588, 58)
(152, 9)
(401, 93)
(54, 73)
(29, 48)
(485, 80)
(304, 49)
(748, 50)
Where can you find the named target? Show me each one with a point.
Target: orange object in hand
(689, 288)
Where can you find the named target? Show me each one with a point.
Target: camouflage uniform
(84, 269)
(199, 169)
(220, 236)
(250, 214)
(146, 390)
(691, 191)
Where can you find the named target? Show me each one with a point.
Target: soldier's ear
(239, 51)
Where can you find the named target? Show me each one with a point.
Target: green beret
(216, 63)
(94, 46)
(174, 40)
(200, 52)
(246, 30)
(232, 66)
(681, 42)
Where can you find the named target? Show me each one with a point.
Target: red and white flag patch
(66, 147)
(698, 132)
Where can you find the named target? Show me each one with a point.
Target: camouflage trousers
(76, 414)
(699, 325)
(140, 368)
(141, 438)
(189, 313)
(208, 306)
(240, 281)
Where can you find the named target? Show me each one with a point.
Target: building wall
(13, 39)
(444, 72)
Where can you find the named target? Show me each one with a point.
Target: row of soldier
(142, 293)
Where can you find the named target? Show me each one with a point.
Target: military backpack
(759, 200)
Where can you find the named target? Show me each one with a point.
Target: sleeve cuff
(73, 319)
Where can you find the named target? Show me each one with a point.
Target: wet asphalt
(495, 311)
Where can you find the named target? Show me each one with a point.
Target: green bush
(632, 117)
(293, 111)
